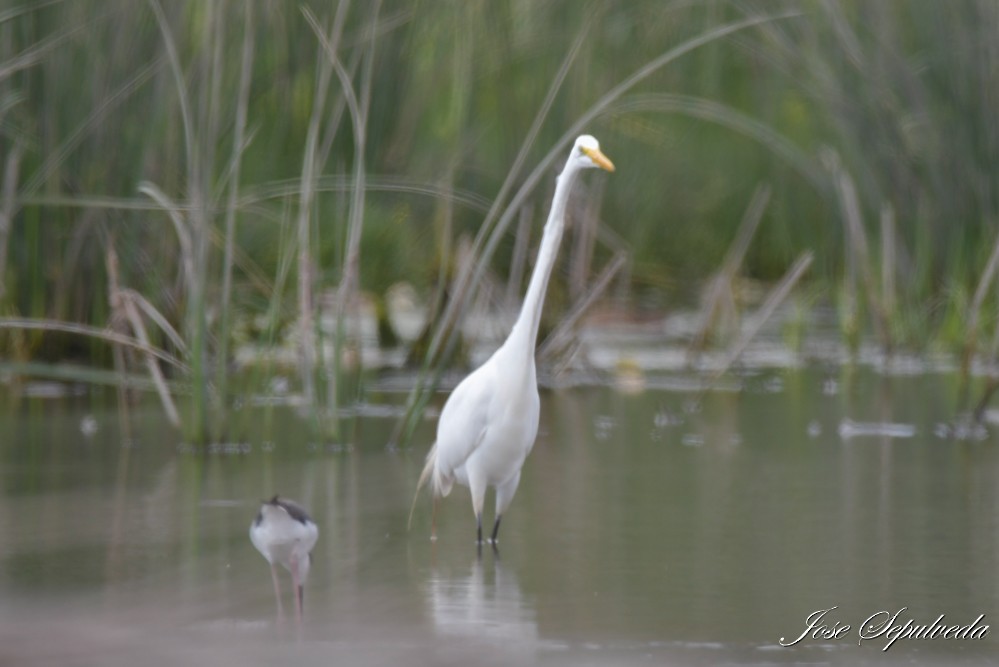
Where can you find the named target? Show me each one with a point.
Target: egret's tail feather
(428, 471)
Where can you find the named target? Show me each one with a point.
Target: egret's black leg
(433, 520)
(478, 541)
(496, 528)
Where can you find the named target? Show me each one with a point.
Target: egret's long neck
(525, 330)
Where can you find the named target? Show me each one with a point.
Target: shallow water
(649, 528)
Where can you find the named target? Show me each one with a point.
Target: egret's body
(284, 534)
(489, 423)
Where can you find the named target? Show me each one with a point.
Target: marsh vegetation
(189, 188)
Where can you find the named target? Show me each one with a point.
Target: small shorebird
(284, 534)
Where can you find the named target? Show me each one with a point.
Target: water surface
(649, 528)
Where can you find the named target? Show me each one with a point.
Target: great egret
(488, 424)
(284, 534)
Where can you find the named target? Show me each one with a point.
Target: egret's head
(586, 154)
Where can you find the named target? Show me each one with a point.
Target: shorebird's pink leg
(297, 587)
(277, 590)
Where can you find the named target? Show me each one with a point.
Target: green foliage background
(902, 91)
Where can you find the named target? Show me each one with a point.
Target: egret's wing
(464, 419)
(311, 535)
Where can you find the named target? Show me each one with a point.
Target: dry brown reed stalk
(971, 334)
(616, 244)
(121, 302)
(991, 382)
(34, 324)
(563, 334)
(584, 233)
(588, 230)
(858, 256)
(443, 231)
(189, 276)
(720, 299)
(116, 323)
(774, 299)
(889, 259)
(286, 260)
(8, 208)
(139, 329)
(464, 254)
(991, 385)
(977, 301)
(178, 219)
(518, 264)
(156, 316)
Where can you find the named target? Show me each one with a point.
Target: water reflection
(695, 531)
(485, 606)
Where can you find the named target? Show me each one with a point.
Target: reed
(565, 331)
(358, 104)
(777, 295)
(308, 340)
(234, 172)
(29, 324)
(194, 229)
(420, 394)
(8, 192)
(207, 139)
(719, 303)
(123, 302)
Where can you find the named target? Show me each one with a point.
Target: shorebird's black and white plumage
(285, 534)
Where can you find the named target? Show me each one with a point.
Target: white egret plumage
(490, 421)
